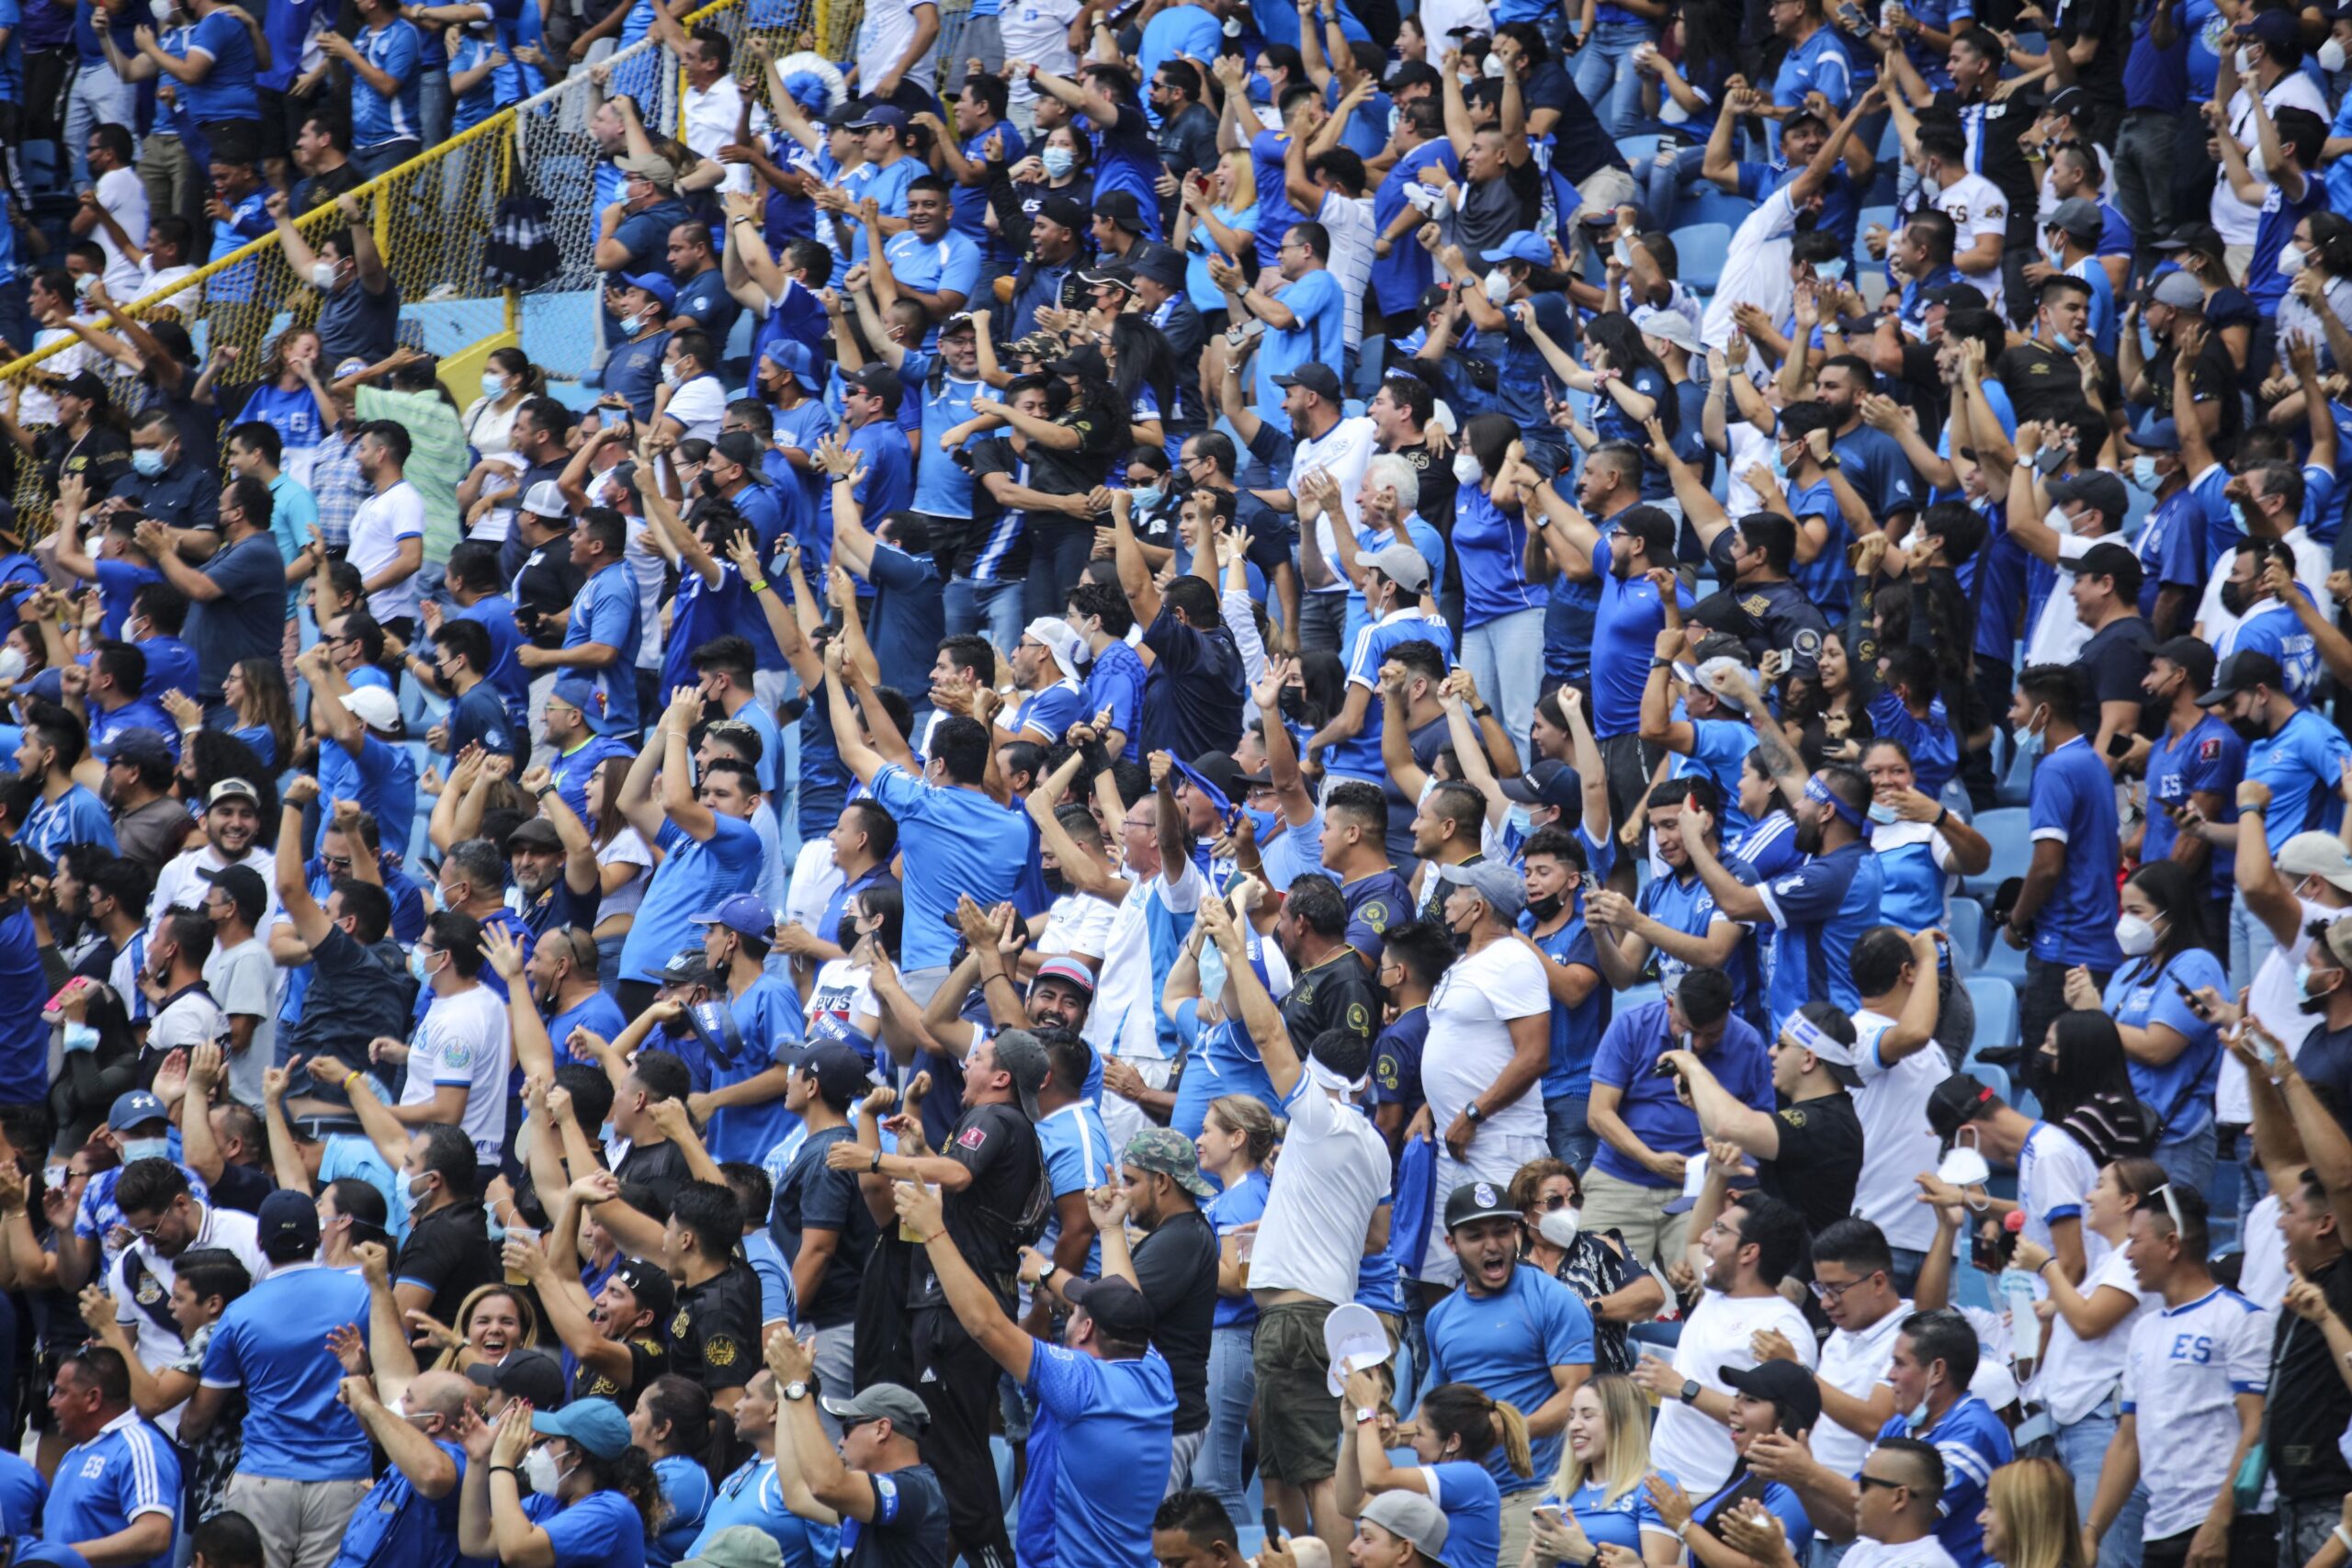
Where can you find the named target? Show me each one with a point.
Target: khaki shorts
(1298, 1416)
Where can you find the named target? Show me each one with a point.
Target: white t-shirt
(1349, 222)
(2263, 1277)
(377, 530)
(1078, 924)
(2234, 220)
(1344, 451)
(2054, 1175)
(1333, 1173)
(1924, 1552)
(1125, 1018)
(711, 115)
(815, 880)
(700, 405)
(2276, 1000)
(1038, 32)
(1689, 1445)
(627, 848)
(1976, 207)
(180, 884)
(1898, 1142)
(1854, 1363)
(463, 1041)
(2186, 1368)
(1756, 270)
(883, 37)
(121, 192)
(188, 1021)
(1471, 1012)
(2076, 1374)
(841, 991)
(2214, 623)
(243, 980)
(153, 278)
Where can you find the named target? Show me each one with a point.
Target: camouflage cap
(1169, 1154)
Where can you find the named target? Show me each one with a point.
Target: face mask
(2057, 521)
(322, 276)
(80, 1037)
(1918, 1416)
(2293, 260)
(1260, 90)
(1831, 271)
(2135, 936)
(2243, 59)
(417, 969)
(1057, 883)
(145, 1148)
(1466, 469)
(2144, 475)
(2331, 57)
(1147, 497)
(12, 663)
(2233, 598)
(2063, 343)
(1292, 702)
(1520, 819)
(162, 11)
(492, 384)
(1547, 907)
(632, 325)
(669, 375)
(2054, 252)
(1964, 1167)
(1233, 27)
(1558, 1227)
(1498, 286)
(419, 1188)
(539, 1468)
(1493, 68)
(1780, 464)
(1882, 813)
(1058, 160)
(1263, 821)
(147, 462)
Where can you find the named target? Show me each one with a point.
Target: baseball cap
(878, 116)
(1022, 1054)
(653, 283)
(1162, 265)
(1319, 379)
(1113, 1303)
(1958, 1100)
(1167, 1152)
(742, 448)
(545, 499)
(1525, 245)
(1066, 211)
(738, 1546)
(375, 706)
(2102, 490)
(1122, 209)
(139, 746)
(650, 1283)
(1064, 972)
(1221, 771)
(287, 1215)
(841, 1075)
(878, 380)
(1410, 1517)
(841, 117)
(1111, 276)
(2317, 854)
(1491, 880)
(794, 358)
(527, 1374)
(1401, 564)
(134, 1108)
(595, 1425)
(2156, 435)
(744, 914)
(83, 384)
(244, 886)
(2275, 29)
(534, 832)
(2080, 217)
(2190, 236)
(1955, 297)
(2180, 292)
(2108, 559)
(2243, 672)
(231, 789)
(650, 166)
(895, 1402)
(687, 966)
(2068, 101)
(1477, 1201)
(577, 692)
(1672, 326)
(1549, 783)
(1703, 674)
(2192, 654)
(1084, 361)
(1058, 639)
(1789, 1387)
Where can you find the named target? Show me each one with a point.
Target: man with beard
(1331, 988)
(863, 839)
(1675, 916)
(1515, 1332)
(553, 862)
(165, 1218)
(232, 821)
(617, 1338)
(561, 978)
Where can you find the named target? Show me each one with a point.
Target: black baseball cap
(1790, 1388)
(2243, 672)
(2192, 654)
(1112, 1303)
(650, 1283)
(1319, 379)
(2109, 559)
(2097, 487)
(244, 887)
(527, 1374)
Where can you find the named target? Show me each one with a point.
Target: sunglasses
(1866, 1481)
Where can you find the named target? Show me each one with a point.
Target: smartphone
(66, 992)
(1991, 1246)
(1273, 1523)
(2196, 1003)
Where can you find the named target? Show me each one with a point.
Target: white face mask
(539, 1468)
(162, 10)
(323, 275)
(2058, 520)
(12, 663)
(1558, 1227)
(2135, 936)
(2293, 260)
(1964, 1167)
(1466, 469)
(1493, 68)
(2331, 56)
(1498, 286)
(2243, 59)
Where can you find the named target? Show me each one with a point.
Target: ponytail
(1463, 1410)
(1511, 1427)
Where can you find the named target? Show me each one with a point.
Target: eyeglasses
(1826, 1293)
(336, 862)
(1866, 1481)
(1555, 1201)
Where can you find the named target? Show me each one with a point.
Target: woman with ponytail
(1601, 1496)
(1451, 1436)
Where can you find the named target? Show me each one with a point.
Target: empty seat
(1995, 1000)
(1700, 252)
(2007, 829)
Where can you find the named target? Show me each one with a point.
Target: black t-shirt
(1338, 993)
(659, 1168)
(2213, 378)
(1176, 1270)
(1493, 210)
(1820, 1159)
(2117, 656)
(449, 1252)
(100, 457)
(2100, 76)
(356, 993)
(1002, 1210)
(648, 1360)
(715, 1334)
(242, 1187)
(2045, 384)
(1010, 562)
(1581, 148)
(910, 1524)
(545, 583)
(2305, 1458)
(1100, 432)
(811, 1197)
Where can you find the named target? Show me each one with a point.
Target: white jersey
(1344, 451)
(883, 37)
(377, 528)
(1755, 272)
(463, 1042)
(1720, 1333)
(1348, 219)
(140, 1279)
(1924, 1552)
(2183, 1375)
(2054, 1175)
(1898, 1142)
(1977, 207)
(1854, 1363)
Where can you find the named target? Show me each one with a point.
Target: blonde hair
(449, 1361)
(1247, 1115)
(2034, 1500)
(1627, 1459)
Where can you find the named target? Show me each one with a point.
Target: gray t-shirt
(243, 980)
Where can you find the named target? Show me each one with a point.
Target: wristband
(347, 1079)
(874, 1165)
(759, 587)
(1482, 711)
(2343, 1537)
(1941, 812)
(510, 1470)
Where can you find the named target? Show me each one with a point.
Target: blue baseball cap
(1526, 245)
(133, 1107)
(792, 356)
(653, 283)
(743, 914)
(876, 116)
(596, 1425)
(2156, 435)
(578, 691)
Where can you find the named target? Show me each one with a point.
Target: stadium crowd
(1506, 784)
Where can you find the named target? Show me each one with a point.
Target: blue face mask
(1832, 271)
(1263, 821)
(1259, 88)
(147, 462)
(1148, 498)
(2064, 344)
(1780, 464)
(2144, 475)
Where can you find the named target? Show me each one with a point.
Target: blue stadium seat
(2006, 830)
(1964, 923)
(2003, 962)
(1706, 202)
(1996, 1016)
(1637, 996)
(1639, 152)
(1700, 252)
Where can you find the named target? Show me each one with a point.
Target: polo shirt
(1099, 1425)
(1575, 1031)
(1624, 635)
(268, 1345)
(1507, 1343)
(248, 618)
(1194, 692)
(1629, 1051)
(908, 613)
(2301, 764)
(129, 1470)
(449, 1252)
(953, 841)
(2073, 806)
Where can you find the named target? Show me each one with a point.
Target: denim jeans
(1057, 554)
(2190, 1160)
(2082, 1448)
(436, 109)
(1572, 1142)
(1905, 1275)
(1323, 621)
(1603, 72)
(385, 156)
(1506, 657)
(2250, 943)
(98, 98)
(1664, 178)
(2143, 154)
(997, 606)
(1233, 1389)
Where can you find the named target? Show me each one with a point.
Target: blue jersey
(397, 50)
(2302, 763)
(1576, 1031)
(1974, 1443)
(2073, 806)
(267, 1345)
(755, 1032)
(1115, 681)
(608, 614)
(1099, 1425)
(2274, 630)
(685, 1499)
(128, 1471)
(602, 1529)
(1359, 754)
(1507, 1343)
(1719, 749)
(2209, 758)
(394, 1524)
(1078, 1158)
(752, 1495)
(2141, 994)
(2170, 547)
(1819, 911)
(955, 841)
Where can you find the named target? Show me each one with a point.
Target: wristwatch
(1690, 1394)
(1473, 1114)
(1364, 1414)
(1049, 1272)
(795, 1390)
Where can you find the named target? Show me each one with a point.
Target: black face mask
(1056, 883)
(2233, 598)
(1292, 704)
(2250, 729)
(709, 486)
(1547, 907)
